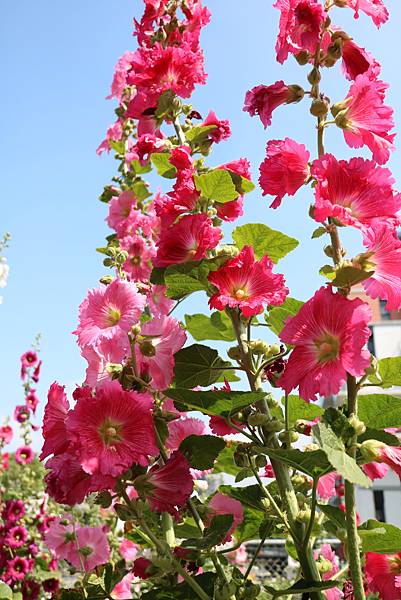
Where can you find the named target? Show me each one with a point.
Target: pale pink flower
(325, 551)
(263, 99)
(106, 351)
(114, 134)
(375, 9)
(163, 337)
(357, 61)
(158, 302)
(60, 537)
(93, 550)
(121, 71)
(6, 434)
(128, 550)
(300, 27)
(121, 210)
(383, 574)
(109, 312)
(249, 284)
(389, 455)
(326, 487)
(284, 170)
(384, 257)
(354, 192)
(366, 120)
(221, 504)
(375, 470)
(138, 265)
(187, 240)
(54, 431)
(122, 591)
(169, 487)
(112, 430)
(180, 429)
(329, 335)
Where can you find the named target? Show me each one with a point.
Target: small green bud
(258, 420)
(106, 279)
(265, 502)
(271, 402)
(234, 353)
(114, 369)
(104, 499)
(301, 499)
(319, 108)
(297, 93)
(147, 348)
(136, 330)
(341, 119)
(260, 461)
(304, 515)
(274, 425)
(302, 57)
(314, 76)
(274, 349)
(371, 449)
(358, 425)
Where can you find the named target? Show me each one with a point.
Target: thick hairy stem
(283, 479)
(168, 529)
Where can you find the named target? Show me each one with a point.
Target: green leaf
(185, 278)
(198, 365)
(213, 535)
(157, 275)
(216, 327)
(380, 435)
(225, 460)
(219, 403)
(318, 232)
(277, 316)
(187, 529)
(250, 495)
(199, 134)
(298, 409)
(315, 463)
(379, 410)
(334, 449)
(6, 592)
(302, 586)
(328, 271)
(382, 538)
(141, 190)
(161, 160)
(349, 276)
(202, 450)
(140, 169)
(229, 376)
(389, 371)
(248, 529)
(216, 185)
(264, 240)
(242, 184)
(334, 514)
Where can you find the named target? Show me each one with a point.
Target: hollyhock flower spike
(263, 99)
(249, 284)
(383, 574)
(284, 170)
(112, 430)
(221, 504)
(329, 335)
(6, 434)
(365, 119)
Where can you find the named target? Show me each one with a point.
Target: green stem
(313, 514)
(254, 557)
(168, 529)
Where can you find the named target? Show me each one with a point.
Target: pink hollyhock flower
(114, 133)
(219, 426)
(326, 487)
(384, 254)
(225, 505)
(121, 71)
(32, 401)
(242, 167)
(357, 61)
(164, 336)
(329, 334)
(365, 119)
(222, 130)
(93, 550)
(112, 430)
(109, 312)
(121, 209)
(158, 302)
(5, 461)
(60, 537)
(21, 413)
(6, 434)
(31, 589)
(180, 429)
(181, 158)
(381, 453)
(16, 537)
(169, 486)
(373, 8)
(147, 144)
(54, 430)
(24, 455)
(355, 191)
(284, 170)
(122, 591)
(141, 568)
(138, 265)
(105, 352)
(375, 470)
(383, 573)
(326, 552)
(29, 359)
(300, 26)
(263, 99)
(36, 373)
(189, 239)
(13, 511)
(17, 568)
(247, 283)
(128, 550)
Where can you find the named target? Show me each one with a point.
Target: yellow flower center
(113, 316)
(327, 346)
(240, 294)
(110, 432)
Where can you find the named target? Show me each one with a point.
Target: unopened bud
(334, 51)
(304, 515)
(259, 346)
(265, 502)
(234, 353)
(358, 426)
(339, 107)
(371, 449)
(302, 57)
(297, 93)
(106, 279)
(274, 349)
(258, 420)
(136, 330)
(319, 108)
(114, 369)
(274, 425)
(314, 76)
(341, 119)
(328, 250)
(147, 348)
(260, 461)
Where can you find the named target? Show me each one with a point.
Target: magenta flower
(357, 61)
(219, 426)
(229, 211)
(29, 359)
(221, 504)
(109, 312)
(329, 334)
(21, 413)
(141, 568)
(163, 337)
(13, 511)
(32, 401)
(284, 170)
(263, 99)
(112, 430)
(384, 256)
(300, 27)
(375, 470)
(24, 455)
(383, 573)
(170, 486)
(189, 239)
(17, 568)
(222, 130)
(179, 429)
(365, 119)
(54, 430)
(373, 8)
(247, 283)
(16, 537)
(355, 191)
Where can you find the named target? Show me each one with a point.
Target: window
(378, 499)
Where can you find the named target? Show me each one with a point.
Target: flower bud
(302, 57)
(106, 279)
(339, 107)
(265, 502)
(341, 119)
(234, 353)
(370, 449)
(258, 420)
(274, 426)
(319, 108)
(274, 349)
(147, 348)
(260, 461)
(114, 369)
(297, 93)
(304, 515)
(136, 330)
(314, 76)
(358, 426)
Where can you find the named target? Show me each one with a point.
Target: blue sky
(57, 64)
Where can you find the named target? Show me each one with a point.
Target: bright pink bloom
(263, 99)
(6, 434)
(54, 431)
(269, 472)
(225, 505)
(4, 461)
(189, 239)
(247, 283)
(16, 537)
(366, 120)
(181, 158)
(164, 336)
(112, 430)
(180, 429)
(29, 359)
(357, 61)
(138, 265)
(384, 254)
(383, 573)
(121, 71)
(373, 8)
(121, 209)
(325, 551)
(170, 486)
(146, 145)
(222, 130)
(32, 401)
(128, 550)
(329, 334)
(300, 26)
(106, 351)
(354, 191)
(114, 134)
(93, 548)
(241, 166)
(375, 470)
(219, 426)
(36, 373)
(284, 170)
(229, 211)
(122, 591)
(17, 568)
(391, 456)
(141, 567)
(109, 312)
(24, 455)
(326, 487)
